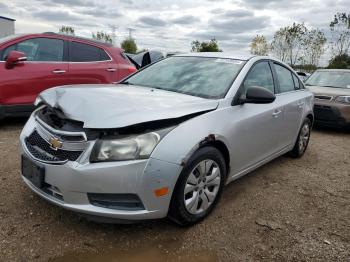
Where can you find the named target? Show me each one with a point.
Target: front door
(43, 69)
(256, 127)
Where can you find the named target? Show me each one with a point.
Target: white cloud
(169, 25)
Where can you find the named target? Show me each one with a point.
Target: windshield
(338, 79)
(198, 76)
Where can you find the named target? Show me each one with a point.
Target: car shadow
(332, 130)
(13, 122)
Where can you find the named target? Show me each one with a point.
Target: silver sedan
(165, 140)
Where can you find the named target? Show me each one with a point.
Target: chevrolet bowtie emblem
(55, 143)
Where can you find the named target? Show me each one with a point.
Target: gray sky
(172, 25)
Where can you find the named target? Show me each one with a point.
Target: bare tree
(102, 36)
(279, 46)
(259, 46)
(289, 43)
(340, 30)
(314, 46)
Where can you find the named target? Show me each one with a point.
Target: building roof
(6, 18)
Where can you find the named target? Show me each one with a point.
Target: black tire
(298, 152)
(177, 210)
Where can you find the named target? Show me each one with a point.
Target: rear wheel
(199, 187)
(303, 139)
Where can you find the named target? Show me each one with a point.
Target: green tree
(211, 46)
(102, 36)
(129, 45)
(340, 30)
(259, 46)
(67, 30)
(340, 62)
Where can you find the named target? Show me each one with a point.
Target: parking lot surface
(288, 210)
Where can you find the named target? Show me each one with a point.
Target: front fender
(177, 146)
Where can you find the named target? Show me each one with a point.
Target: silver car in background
(166, 140)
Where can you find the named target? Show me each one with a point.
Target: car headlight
(37, 101)
(128, 148)
(343, 99)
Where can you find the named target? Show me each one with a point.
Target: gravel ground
(288, 210)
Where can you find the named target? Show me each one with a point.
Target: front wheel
(303, 139)
(199, 186)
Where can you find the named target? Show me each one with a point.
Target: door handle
(58, 71)
(111, 69)
(276, 113)
(300, 104)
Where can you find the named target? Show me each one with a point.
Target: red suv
(32, 63)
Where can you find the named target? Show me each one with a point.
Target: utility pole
(130, 32)
(113, 29)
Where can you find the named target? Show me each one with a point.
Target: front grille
(116, 201)
(53, 191)
(323, 97)
(42, 150)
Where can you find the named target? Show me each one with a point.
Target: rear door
(90, 64)
(45, 68)
(292, 94)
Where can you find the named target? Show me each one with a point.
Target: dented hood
(116, 106)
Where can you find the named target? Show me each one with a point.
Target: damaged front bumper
(120, 190)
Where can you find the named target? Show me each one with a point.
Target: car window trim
(101, 61)
(238, 93)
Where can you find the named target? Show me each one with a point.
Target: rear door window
(285, 78)
(79, 52)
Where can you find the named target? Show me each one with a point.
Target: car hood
(117, 106)
(332, 91)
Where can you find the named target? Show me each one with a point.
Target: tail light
(132, 69)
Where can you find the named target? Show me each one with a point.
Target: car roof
(61, 36)
(93, 41)
(219, 55)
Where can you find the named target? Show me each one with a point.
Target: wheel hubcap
(304, 137)
(202, 186)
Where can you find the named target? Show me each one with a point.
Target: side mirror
(13, 58)
(258, 95)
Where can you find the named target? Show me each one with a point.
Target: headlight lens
(343, 99)
(129, 148)
(37, 101)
